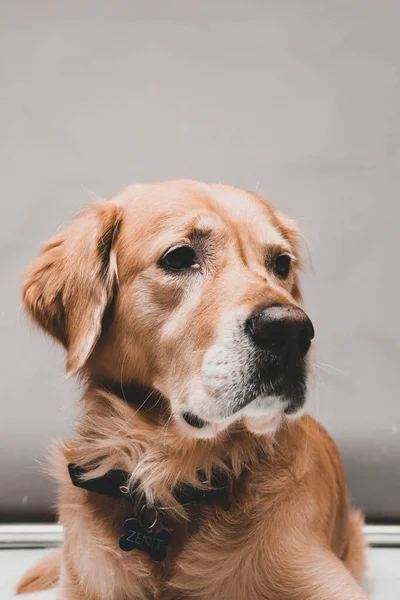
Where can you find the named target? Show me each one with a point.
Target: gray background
(298, 99)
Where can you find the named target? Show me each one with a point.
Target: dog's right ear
(69, 286)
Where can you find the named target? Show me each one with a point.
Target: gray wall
(296, 98)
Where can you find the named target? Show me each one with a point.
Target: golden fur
(287, 532)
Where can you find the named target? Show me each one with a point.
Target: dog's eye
(282, 265)
(179, 259)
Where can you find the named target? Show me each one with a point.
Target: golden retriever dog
(194, 472)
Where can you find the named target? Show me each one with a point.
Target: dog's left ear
(68, 288)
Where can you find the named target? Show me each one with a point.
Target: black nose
(282, 330)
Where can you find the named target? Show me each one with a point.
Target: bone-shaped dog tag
(137, 537)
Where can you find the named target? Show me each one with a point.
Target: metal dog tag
(137, 537)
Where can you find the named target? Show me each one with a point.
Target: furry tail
(43, 575)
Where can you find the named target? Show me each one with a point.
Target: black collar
(113, 484)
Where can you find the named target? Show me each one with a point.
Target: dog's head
(187, 288)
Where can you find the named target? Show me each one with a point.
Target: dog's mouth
(264, 421)
(268, 394)
(197, 423)
(193, 420)
(289, 385)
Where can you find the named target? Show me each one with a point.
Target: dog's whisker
(121, 376)
(321, 380)
(322, 366)
(134, 414)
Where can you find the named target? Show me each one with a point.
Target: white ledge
(44, 536)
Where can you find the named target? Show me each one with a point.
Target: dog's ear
(69, 286)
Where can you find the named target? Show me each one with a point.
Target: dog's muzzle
(257, 364)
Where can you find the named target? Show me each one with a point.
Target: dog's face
(187, 288)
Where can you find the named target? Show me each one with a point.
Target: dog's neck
(146, 399)
(130, 428)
